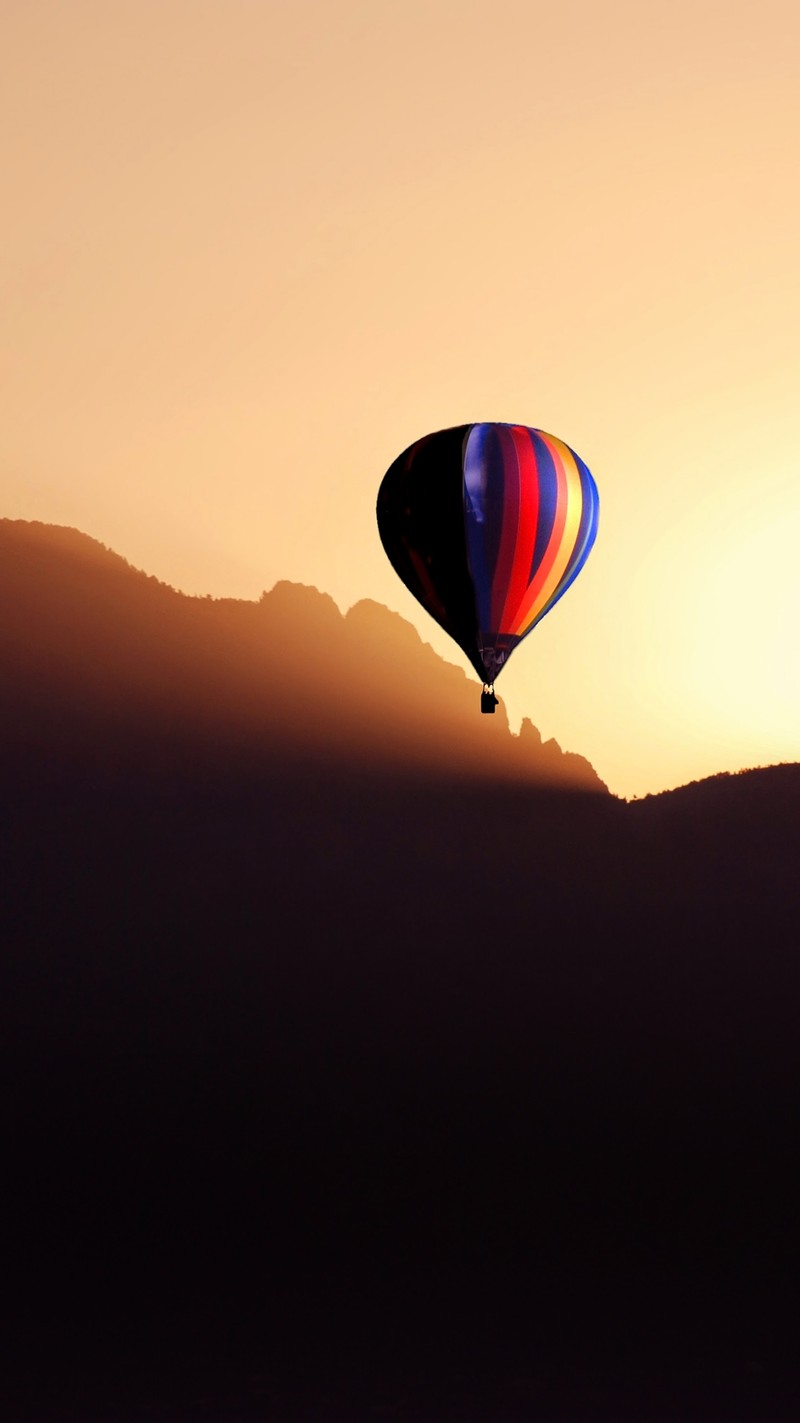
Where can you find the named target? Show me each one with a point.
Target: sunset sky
(253, 250)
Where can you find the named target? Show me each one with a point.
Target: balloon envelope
(488, 525)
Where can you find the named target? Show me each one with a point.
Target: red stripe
(520, 568)
(556, 536)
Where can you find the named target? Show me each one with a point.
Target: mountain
(360, 1087)
(95, 654)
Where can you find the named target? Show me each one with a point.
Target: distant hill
(96, 656)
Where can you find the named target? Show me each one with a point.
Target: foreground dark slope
(376, 1090)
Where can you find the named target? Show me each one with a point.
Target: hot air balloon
(488, 525)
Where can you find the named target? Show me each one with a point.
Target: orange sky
(251, 251)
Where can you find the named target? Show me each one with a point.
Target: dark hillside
(344, 1090)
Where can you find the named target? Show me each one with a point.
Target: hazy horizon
(444, 649)
(254, 252)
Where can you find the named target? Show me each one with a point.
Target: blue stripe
(548, 495)
(483, 513)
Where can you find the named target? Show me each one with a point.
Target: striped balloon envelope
(488, 525)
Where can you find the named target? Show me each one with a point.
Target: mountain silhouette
(93, 650)
(341, 1085)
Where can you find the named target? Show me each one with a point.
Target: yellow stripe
(574, 496)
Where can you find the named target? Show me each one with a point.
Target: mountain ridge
(117, 641)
